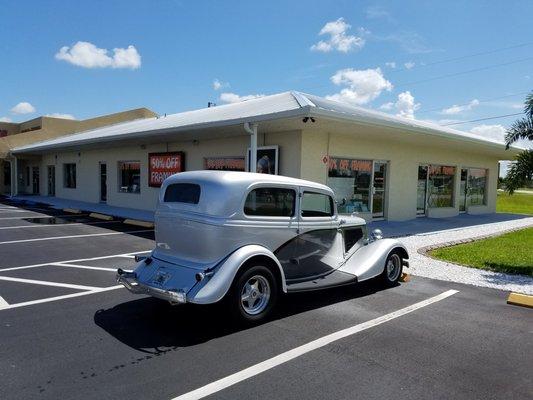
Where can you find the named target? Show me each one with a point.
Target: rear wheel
(253, 294)
(393, 269)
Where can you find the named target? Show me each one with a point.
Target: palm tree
(521, 171)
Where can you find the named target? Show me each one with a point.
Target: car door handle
(294, 261)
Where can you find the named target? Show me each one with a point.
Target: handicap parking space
(65, 322)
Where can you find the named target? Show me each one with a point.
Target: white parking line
(64, 224)
(75, 261)
(3, 303)
(306, 348)
(66, 296)
(75, 236)
(47, 283)
(84, 267)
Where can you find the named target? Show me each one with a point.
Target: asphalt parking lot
(67, 330)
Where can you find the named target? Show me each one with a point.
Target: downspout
(251, 129)
(14, 176)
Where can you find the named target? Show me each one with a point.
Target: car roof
(241, 180)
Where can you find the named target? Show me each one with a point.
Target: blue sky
(393, 56)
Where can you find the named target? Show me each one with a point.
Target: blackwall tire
(254, 294)
(393, 270)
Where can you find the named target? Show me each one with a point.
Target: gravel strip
(422, 265)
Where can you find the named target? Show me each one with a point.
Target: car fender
(369, 261)
(220, 280)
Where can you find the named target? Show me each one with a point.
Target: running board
(336, 278)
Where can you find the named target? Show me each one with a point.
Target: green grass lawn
(518, 203)
(510, 253)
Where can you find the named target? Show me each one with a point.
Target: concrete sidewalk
(424, 225)
(102, 208)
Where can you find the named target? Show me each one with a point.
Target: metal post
(252, 130)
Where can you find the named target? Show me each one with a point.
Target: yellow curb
(72, 210)
(101, 216)
(144, 224)
(405, 277)
(518, 299)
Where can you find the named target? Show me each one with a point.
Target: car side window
(270, 202)
(316, 205)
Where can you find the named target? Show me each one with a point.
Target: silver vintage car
(247, 238)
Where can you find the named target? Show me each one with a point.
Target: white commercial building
(380, 166)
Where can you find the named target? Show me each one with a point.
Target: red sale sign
(162, 165)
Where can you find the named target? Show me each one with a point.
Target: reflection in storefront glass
(477, 182)
(350, 180)
(129, 176)
(440, 186)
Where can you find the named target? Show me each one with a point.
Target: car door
(317, 250)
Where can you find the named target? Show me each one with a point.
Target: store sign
(346, 164)
(162, 165)
(224, 163)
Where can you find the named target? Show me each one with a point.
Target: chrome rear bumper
(130, 282)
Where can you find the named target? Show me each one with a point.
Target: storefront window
(129, 176)
(350, 179)
(7, 173)
(477, 183)
(441, 186)
(69, 175)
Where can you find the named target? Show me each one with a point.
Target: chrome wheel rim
(393, 267)
(255, 295)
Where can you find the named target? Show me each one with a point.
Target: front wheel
(254, 294)
(393, 270)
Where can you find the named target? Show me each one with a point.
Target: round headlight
(377, 234)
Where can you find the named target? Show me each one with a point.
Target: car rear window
(182, 193)
(270, 202)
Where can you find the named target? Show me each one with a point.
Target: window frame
(331, 202)
(119, 176)
(295, 208)
(454, 184)
(65, 175)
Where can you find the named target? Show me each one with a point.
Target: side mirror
(377, 234)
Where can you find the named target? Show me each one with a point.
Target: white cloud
(378, 12)
(87, 55)
(387, 106)
(5, 119)
(60, 115)
(228, 97)
(217, 84)
(391, 64)
(496, 132)
(406, 105)
(363, 86)
(338, 39)
(409, 64)
(456, 109)
(23, 108)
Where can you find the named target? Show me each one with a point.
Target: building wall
(88, 164)
(403, 161)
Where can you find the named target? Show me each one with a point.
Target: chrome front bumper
(130, 282)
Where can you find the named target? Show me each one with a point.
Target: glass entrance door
(378, 189)
(422, 190)
(103, 182)
(51, 180)
(463, 190)
(35, 180)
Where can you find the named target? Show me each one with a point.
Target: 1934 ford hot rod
(247, 238)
